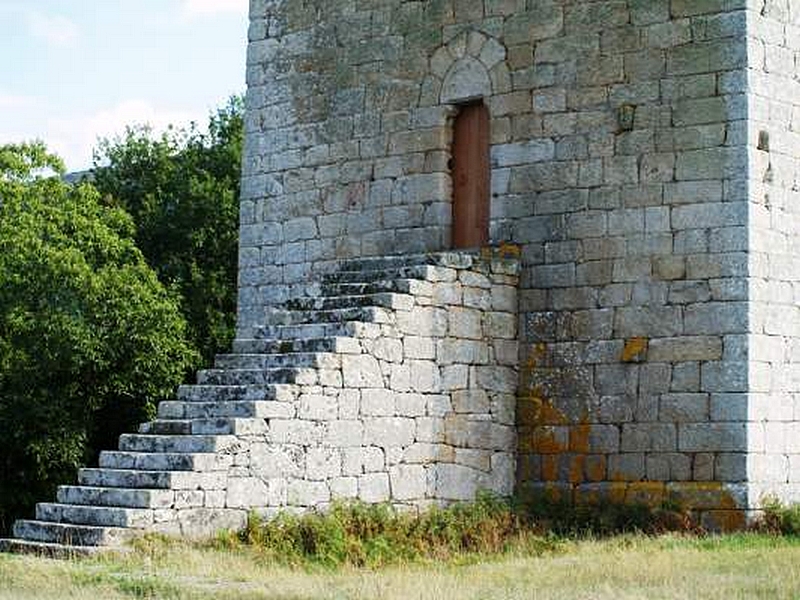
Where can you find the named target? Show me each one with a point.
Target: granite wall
(643, 163)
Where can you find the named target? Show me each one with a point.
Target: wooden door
(471, 177)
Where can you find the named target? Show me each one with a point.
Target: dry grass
(622, 568)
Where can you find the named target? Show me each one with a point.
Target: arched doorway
(471, 173)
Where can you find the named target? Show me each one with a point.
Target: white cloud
(55, 30)
(200, 8)
(8, 101)
(74, 137)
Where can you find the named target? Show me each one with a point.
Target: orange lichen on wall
(635, 350)
(508, 250)
(504, 250)
(568, 469)
(547, 431)
(596, 468)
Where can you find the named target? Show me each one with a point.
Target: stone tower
(644, 159)
(627, 326)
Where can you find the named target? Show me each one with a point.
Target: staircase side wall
(774, 148)
(415, 409)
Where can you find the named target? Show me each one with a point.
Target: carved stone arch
(466, 80)
(469, 67)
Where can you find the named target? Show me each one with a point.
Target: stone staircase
(174, 475)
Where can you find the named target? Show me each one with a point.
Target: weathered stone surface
(362, 371)
(643, 174)
(643, 168)
(467, 79)
(342, 422)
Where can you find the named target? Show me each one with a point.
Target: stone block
(665, 466)
(648, 322)
(733, 467)
(407, 482)
(500, 325)
(464, 323)
(455, 350)
(378, 403)
(461, 431)
(429, 429)
(716, 318)
(410, 405)
(323, 463)
(456, 482)
(373, 487)
(471, 401)
(687, 348)
(269, 461)
(684, 408)
(317, 407)
(712, 437)
(724, 376)
(649, 437)
(424, 376)
(307, 493)
(626, 467)
(455, 377)
(344, 488)
(416, 347)
(507, 155)
(685, 377)
(495, 378)
(361, 371)
(389, 431)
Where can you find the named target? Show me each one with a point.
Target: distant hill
(79, 176)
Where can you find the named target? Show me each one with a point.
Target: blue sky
(73, 70)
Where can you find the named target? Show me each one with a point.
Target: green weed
(364, 535)
(780, 518)
(601, 519)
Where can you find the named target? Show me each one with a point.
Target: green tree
(90, 340)
(182, 189)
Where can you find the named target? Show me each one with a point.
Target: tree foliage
(27, 161)
(90, 340)
(182, 189)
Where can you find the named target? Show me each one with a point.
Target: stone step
(188, 444)
(257, 376)
(253, 346)
(324, 303)
(399, 286)
(383, 274)
(372, 263)
(157, 461)
(113, 496)
(213, 410)
(98, 516)
(455, 259)
(235, 393)
(312, 360)
(71, 535)
(204, 393)
(163, 480)
(126, 478)
(301, 331)
(50, 550)
(204, 426)
(167, 427)
(366, 314)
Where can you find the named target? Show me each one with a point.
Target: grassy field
(620, 568)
